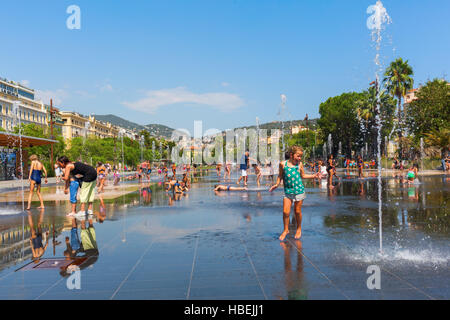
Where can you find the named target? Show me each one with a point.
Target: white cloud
(106, 87)
(25, 83)
(155, 99)
(85, 94)
(58, 96)
(224, 84)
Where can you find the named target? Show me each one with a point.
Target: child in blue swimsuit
(291, 172)
(36, 171)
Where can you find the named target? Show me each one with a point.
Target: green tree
(398, 80)
(367, 112)
(439, 138)
(431, 111)
(306, 139)
(43, 152)
(338, 117)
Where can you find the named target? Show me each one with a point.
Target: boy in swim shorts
(73, 188)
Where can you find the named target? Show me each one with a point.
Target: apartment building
(18, 104)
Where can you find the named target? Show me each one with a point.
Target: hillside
(118, 121)
(154, 129)
(159, 130)
(277, 124)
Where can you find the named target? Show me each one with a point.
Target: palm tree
(398, 80)
(440, 139)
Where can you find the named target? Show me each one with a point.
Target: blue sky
(222, 62)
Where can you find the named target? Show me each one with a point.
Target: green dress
(293, 183)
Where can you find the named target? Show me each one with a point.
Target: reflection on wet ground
(149, 244)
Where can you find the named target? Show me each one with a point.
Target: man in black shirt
(88, 176)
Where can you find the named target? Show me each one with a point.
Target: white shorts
(296, 197)
(243, 173)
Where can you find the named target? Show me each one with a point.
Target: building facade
(76, 125)
(18, 104)
(411, 96)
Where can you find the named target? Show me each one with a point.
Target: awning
(14, 140)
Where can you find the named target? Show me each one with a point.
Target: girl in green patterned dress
(291, 172)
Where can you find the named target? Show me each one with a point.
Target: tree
(431, 111)
(43, 152)
(338, 117)
(306, 139)
(398, 80)
(367, 112)
(439, 138)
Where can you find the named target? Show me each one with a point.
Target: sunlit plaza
(225, 151)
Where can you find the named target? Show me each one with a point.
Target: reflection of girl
(34, 178)
(295, 283)
(37, 247)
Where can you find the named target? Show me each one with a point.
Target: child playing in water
(412, 173)
(322, 169)
(258, 173)
(186, 180)
(291, 172)
(220, 187)
(75, 184)
(360, 167)
(116, 178)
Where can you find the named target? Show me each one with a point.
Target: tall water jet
(283, 106)
(87, 126)
(376, 22)
(386, 144)
(122, 133)
(422, 155)
(330, 145)
(141, 145)
(153, 150)
(257, 135)
(17, 122)
(324, 151)
(340, 152)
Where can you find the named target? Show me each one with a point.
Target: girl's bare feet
(298, 234)
(283, 235)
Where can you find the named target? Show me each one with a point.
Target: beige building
(102, 129)
(77, 125)
(18, 104)
(411, 96)
(297, 129)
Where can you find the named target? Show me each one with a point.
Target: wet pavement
(207, 245)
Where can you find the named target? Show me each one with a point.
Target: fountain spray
(283, 105)
(376, 22)
(17, 122)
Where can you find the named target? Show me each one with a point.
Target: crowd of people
(81, 179)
